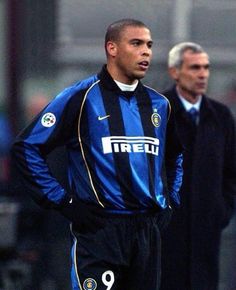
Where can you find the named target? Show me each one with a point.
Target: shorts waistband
(106, 212)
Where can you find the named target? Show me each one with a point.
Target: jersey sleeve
(51, 128)
(173, 162)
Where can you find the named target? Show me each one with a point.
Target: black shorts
(120, 253)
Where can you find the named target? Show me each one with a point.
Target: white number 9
(108, 279)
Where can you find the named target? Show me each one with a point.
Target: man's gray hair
(175, 58)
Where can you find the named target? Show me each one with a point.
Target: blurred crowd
(36, 253)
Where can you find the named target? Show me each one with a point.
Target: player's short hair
(175, 58)
(114, 30)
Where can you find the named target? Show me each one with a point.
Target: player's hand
(164, 218)
(81, 216)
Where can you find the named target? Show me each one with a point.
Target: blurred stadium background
(47, 45)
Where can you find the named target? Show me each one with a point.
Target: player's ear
(111, 48)
(174, 73)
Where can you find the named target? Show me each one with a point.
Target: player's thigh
(96, 276)
(96, 263)
(144, 271)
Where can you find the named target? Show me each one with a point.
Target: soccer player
(118, 133)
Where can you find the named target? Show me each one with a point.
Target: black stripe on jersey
(121, 160)
(146, 111)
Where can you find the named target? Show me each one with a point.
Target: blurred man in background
(206, 128)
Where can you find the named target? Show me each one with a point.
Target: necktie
(193, 114)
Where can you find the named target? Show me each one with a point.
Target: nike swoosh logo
(103, 117)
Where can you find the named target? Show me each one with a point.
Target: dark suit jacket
(191, 242)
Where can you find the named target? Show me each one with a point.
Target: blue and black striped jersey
(116, 143)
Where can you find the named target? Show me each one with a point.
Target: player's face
(192, 76)
(132, 54)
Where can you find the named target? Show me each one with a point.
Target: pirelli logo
(116, 144)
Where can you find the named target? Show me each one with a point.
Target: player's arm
(173, 161)
(29, 151)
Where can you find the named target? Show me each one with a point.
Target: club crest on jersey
(48, 120)
(90, 284)
(156, 118)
